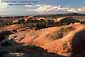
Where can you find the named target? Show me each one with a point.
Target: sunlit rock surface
(67, 41)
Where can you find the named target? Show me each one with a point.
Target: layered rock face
(66, 41)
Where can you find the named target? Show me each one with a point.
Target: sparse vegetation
(18, 39)
(39, 22)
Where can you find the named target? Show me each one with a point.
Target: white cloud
(49, 8)
(43, 8)
(3, 5)
(81, 9)
(5, 9)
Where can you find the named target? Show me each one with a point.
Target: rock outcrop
(67, 41)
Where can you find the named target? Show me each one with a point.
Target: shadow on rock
(78, 44)
(14, 49)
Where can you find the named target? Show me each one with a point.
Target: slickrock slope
(59, 40)
(66, 40)
(70, 44)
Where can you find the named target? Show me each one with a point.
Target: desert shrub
(58, 23)
(50, 22)
(67, 21)
(3, 52)
(6, 43)
(4, 23)
(82, 22)
(41, 24)
(60, 33)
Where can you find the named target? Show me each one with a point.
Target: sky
(40, 7)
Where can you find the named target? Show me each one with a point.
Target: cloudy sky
(36, 7)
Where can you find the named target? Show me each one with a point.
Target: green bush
(41, 24)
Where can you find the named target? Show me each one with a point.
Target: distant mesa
(73, 14)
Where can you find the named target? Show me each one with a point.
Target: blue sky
(71, 3)
(42, 7)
